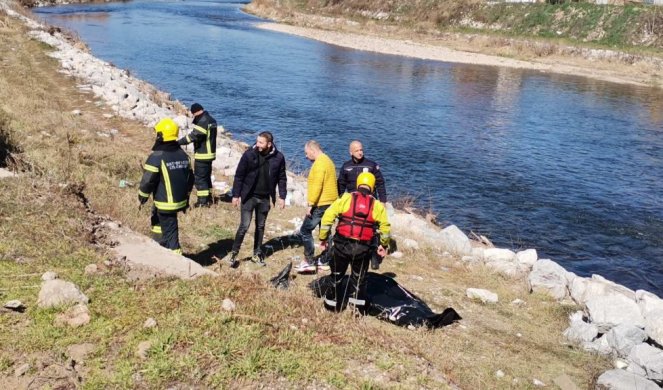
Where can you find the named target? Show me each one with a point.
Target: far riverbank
(606, 65)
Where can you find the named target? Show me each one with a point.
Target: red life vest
(358, 223)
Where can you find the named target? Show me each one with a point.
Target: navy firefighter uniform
(203, 137)
(169, 179)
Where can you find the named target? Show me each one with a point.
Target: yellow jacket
(342, 205)
(322, 188)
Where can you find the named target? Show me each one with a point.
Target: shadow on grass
(217, 249)
(281, 243)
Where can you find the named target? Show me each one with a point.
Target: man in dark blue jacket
(260, 170)
(357, 164)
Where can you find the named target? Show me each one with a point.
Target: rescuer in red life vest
(359, 214)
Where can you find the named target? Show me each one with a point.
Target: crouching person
(169, 179)
(358, 214)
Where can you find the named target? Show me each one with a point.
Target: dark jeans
(357, 255)
(306, 231)
(170, 237)
(261, 207)
(202, 173)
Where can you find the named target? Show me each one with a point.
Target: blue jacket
(347, 177)
(246, 175)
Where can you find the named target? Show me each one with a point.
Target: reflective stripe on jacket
(357, 221)
(342, 205)
(203, 137)
(168, 177)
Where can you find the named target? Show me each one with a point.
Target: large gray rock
(411, 225)
(580, 331)
(600, 346)
(654, 325)
(484, 296)
(510, 269)
(527, 257)
(648, 302)
(648, 358)
(608, 311)
(58, 292)
(582, 289)
(478, 252)
(621, 380)
(498, 254)
(455, 241)
(549, 278)
(74, 317)
(409, 243)
(622, 338)
(50, 275)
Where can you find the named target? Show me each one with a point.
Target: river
(567, 165)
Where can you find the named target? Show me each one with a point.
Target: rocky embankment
(612, 320)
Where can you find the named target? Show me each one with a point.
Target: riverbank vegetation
(614, 43)
(623, 27)
(70, 153)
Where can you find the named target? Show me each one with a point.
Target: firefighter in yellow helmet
(169, 179)
(358, 214)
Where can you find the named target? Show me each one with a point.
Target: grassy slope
(632, 27)
(276, 338)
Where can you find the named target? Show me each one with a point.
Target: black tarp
(389, 301)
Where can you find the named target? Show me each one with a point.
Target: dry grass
(277, 339)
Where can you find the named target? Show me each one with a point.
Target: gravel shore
(602, 67)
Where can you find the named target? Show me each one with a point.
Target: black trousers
(202, 173)
(259, 206)
(165, 229)
(156, 225)
(356, 254)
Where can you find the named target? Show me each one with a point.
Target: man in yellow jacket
(322, 191)
(359, 214)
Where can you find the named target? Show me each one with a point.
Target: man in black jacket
(169, 179)
(203, 137)
(357, 164)
(260, 170)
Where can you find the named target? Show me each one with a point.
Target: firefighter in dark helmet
(358, 214)
(203, 137)
(169, 179)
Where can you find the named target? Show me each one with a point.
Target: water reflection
(86, 17)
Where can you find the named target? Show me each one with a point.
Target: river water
(567, 165)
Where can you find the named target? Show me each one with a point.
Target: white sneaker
(306, 268)
(323, 266)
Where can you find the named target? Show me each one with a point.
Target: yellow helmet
(366, 179)
(168, 129)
